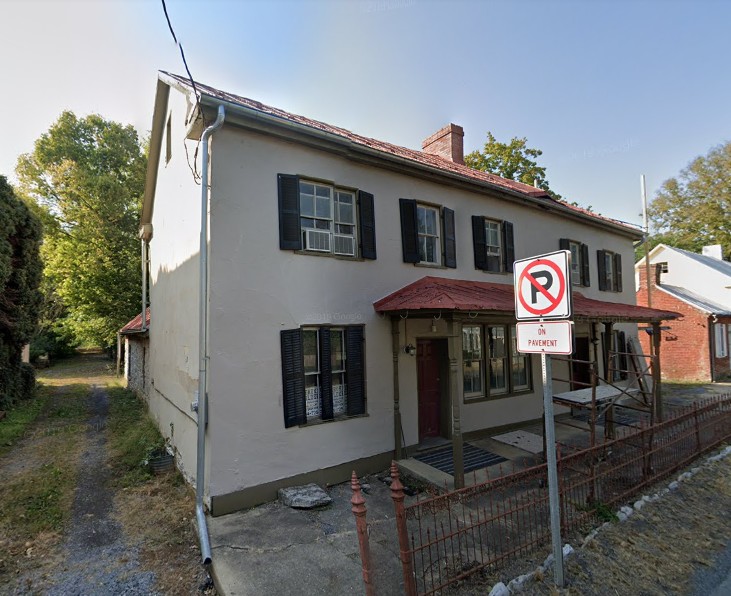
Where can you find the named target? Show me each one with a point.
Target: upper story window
(579, 261)
(610, 270)
(493, 367)
(322, 218)
(428, 231)
(493, 244)
(427, 234)
(327, 219)
(322, 373)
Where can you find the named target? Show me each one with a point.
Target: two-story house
(359, 294)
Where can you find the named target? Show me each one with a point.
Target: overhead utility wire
(196, 176)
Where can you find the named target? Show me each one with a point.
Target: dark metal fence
(447, 537)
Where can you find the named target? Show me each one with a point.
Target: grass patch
(18, 420)
(133, 437)
(38, 501)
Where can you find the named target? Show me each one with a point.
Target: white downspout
(201, 404)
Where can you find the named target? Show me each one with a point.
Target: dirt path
(80, 519)
(97, 559)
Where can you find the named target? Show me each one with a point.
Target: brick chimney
(447, 143)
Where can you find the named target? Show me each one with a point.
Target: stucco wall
(174, 267)
(137, 364)
(258, 290)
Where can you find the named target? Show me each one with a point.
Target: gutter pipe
(253, 114)
(201, 404)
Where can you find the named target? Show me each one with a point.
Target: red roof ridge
(417, 156)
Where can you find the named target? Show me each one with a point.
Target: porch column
(395, 343)
(453, 347)
(606, 347)
(656, 376)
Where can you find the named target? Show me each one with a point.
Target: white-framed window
(491, 363)
(721, 334)
(428, 232)
(493, 245)
(609, 269)
(313, 367)
(472, 361)
(327, 219)
(576, 262)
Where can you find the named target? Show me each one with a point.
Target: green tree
(88, 175)
(694, 209)
(20, 298)
(514, 160)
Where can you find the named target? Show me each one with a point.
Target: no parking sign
(543, 287)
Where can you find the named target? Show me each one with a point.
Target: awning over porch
(430, 294)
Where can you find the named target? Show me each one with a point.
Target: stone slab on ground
(307, 496)
(522, 439)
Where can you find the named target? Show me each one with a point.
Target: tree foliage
(87, 174)
(694, 209)
(513, 160)
(20, 298)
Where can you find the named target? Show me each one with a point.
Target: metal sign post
(552, 467)
(543, 291)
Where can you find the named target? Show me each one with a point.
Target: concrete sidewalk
(273, 549)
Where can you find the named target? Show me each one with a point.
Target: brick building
(696, 346)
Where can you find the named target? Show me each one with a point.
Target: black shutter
(585, 278)
(293, 378)
(618, 272)
(326, 377)
(290, 237)
(450, 239)
(366, 225)
(563, 244)
(622, 348)
(602, 268)
(509, 247)
(478, 242)
(355, 370)
(409, 231)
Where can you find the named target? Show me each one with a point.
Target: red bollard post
(359, 510)
(397, 494)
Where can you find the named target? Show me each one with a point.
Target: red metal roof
(419, 157)
(438, 293)
(135, 325)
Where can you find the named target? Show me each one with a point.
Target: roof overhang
(431, 295)
(258, 120)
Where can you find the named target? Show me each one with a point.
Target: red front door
(428, 364)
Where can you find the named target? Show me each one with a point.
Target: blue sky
(608, 90)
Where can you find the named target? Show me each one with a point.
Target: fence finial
(359, 511)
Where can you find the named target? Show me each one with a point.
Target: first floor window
(721, 335)
(498, 368)
(322, 373)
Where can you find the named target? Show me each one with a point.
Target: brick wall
(685, 350)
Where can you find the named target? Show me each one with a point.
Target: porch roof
(441, 294)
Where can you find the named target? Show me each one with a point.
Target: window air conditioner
(317, 240)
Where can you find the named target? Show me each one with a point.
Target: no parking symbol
(542, 289)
